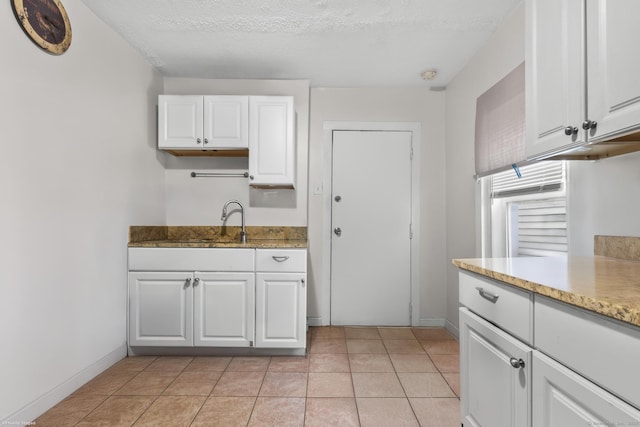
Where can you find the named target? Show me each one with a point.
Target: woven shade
(500, 125)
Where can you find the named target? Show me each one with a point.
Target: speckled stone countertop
(607, 283)
(216, 237)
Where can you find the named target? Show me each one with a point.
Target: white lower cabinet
(237, 308)
(223, 309)
(281, 298)
(175, 309)
(576, 369)
(160, 309)
(495, 372)
(280, 310)
(562, 398)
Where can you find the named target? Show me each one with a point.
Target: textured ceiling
(332, 43)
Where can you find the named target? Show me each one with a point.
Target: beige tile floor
(351, 376)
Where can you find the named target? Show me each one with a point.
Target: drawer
(191, 259)
(506, 306)
(601, 349)
(292, 260)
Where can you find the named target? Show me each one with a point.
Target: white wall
(603, 199)
(385, 105)
(199, 201)
(503, 52)
(77, 168)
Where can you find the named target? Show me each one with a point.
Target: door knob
(337, 231)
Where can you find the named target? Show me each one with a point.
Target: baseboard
(431, 322)
(426, 322)
(42, 404)
(316, 321)
(453, 329)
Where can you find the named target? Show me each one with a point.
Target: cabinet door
(226, 122)
(494, 393)
(562, 398)
(555, 75)
(180, 121)
(160, 309)
(271, 141)
(281, 310)
(223, 309)
(613, 73)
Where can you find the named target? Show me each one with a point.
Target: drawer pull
(280, 258)
(516, 363)
(487, 295)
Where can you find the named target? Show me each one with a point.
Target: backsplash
(617, 247)
(222, 233)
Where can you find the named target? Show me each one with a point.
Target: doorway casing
(328, 128)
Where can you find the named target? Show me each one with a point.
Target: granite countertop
(216, 237)
(607, 283)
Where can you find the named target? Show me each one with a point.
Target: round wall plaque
(45, 22)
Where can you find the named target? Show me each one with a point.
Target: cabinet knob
(589, 124)
(206, 141)
(570, 130)
(187, 282)
(198, 140)
(250, 176)
(196, 282)
(302, 281)
(516, 363)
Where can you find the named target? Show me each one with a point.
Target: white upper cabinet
(555, 78)
(195, 122)
(180, 122)
(582, 84)
(226, 121)
(271, 141)
(613, 69)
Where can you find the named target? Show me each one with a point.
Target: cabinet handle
(198, 141)
(280, 258)
(487, 295)
(196, 282)
(589, 124)
(570, 130)
(516, 363)
(187, 282)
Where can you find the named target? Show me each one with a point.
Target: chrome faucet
(243, 233)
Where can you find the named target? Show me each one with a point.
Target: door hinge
(410, 231)
(411, 153)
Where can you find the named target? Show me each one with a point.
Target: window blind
(500, 124)
(538, 177)
(542, 227)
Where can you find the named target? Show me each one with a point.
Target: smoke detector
(429, 74)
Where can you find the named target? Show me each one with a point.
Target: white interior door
(371, 222)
